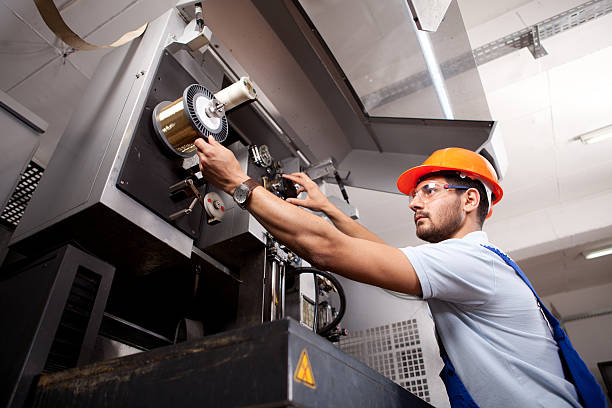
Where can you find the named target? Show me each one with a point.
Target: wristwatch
(242, 193)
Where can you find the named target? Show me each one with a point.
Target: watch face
(241, 194)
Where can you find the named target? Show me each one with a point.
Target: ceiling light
(433, 67)
(597, 253)
(597, 135)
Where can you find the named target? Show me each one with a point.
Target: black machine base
(277, 364)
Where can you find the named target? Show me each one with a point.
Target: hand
(219, 165)
(315, 200)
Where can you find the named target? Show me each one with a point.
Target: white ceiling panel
(585, 180)
(583, 273)
(582, 76)
(582, 113)
(546, 278)
(511, 68)
(27, 11)
(114, 18)
(86, 17)
(582, 300)
(529, 144)
(87, 61)
(494, 29)
(528, 199)
(53, 93)
(524, 231)
(562, 48)
(539, 10)
(97, 22)
(477, 12)
(578, 42)
(520, 98)
(582, 214)
(21, 49)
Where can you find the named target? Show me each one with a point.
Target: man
(487, 318)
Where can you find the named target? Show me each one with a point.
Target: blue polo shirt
(490, 325)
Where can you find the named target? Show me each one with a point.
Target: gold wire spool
(178, 124)
(176, 127)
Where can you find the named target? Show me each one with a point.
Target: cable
(324, 330)
(341, 186)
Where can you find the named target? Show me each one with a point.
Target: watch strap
(251, 184)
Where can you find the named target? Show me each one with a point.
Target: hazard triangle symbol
(303, 371)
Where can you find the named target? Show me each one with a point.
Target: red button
(222, 208)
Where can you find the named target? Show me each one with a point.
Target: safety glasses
(430, 190)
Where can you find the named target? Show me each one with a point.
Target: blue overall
(577, 373)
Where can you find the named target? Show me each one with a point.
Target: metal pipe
(274, 288)
(282, 290)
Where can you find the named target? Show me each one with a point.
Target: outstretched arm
(316, 201)
(308, 235)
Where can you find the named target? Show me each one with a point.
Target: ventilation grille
(69, 337)
(394, 350)
(12, 213)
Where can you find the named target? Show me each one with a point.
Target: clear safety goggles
(430, 190)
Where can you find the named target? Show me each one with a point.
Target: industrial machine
(124, 188)
(125, 185)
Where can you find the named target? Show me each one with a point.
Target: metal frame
(532, 36)
(27, 341)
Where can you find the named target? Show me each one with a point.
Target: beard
(445, 228)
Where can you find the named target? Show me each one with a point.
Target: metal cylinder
(176, 127)
(274, 289)
(178, 124)
(281, 274)
(237, 93)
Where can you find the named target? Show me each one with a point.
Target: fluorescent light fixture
(597, 135)
(434, 68)
(597, 253)
(304, 159)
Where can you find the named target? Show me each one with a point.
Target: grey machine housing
(106, 187)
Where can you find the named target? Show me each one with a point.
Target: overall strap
(552, 320)
(589, 391)
(458, 395)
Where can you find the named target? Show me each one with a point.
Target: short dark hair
(453, 177)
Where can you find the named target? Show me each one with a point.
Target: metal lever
(184, 211)
(183, 185)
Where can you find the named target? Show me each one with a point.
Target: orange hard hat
(457, 159)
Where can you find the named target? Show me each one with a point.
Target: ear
(472, 199)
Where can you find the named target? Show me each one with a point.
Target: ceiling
(558, 192)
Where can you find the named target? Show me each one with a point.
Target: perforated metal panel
(12, 213)
(394, 350)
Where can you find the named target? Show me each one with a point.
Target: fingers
(291, 177)
(204, 146)
(200, 143)
(296, 201)
(213, 141)
(300, 178)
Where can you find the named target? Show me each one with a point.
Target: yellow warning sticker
(303, 371)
